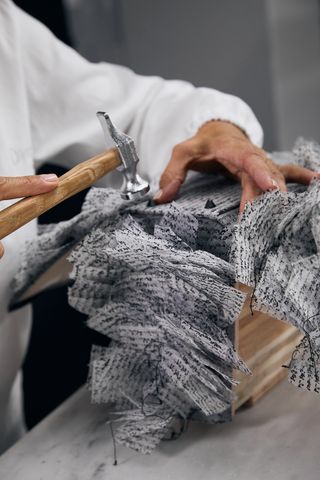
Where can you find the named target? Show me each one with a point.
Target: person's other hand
(222, 147)
(17, 187)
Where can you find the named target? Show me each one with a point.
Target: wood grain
(265, 344)
(74, 181)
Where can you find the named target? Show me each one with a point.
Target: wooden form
(265, 344)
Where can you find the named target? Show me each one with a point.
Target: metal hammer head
(133, 185)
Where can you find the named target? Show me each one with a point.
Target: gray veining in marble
(278, 439)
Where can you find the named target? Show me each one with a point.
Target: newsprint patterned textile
(158, 281)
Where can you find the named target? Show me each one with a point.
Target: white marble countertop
(278, 439)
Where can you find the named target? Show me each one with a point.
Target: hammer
(123, 158)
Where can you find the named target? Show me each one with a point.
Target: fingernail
(49, 177)
(274, 183)
(158, 195)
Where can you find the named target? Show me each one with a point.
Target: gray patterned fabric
(158, 281)
(147, 277)
(276, 249)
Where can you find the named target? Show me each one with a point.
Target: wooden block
(265, 344)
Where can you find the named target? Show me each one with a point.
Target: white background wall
(266, 51)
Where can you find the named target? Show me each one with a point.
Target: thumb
(16, 187)
(174, 174)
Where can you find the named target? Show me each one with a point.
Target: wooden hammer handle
(78, 178)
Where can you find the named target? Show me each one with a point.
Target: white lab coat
(48, 99)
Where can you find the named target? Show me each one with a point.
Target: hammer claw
(133, 185)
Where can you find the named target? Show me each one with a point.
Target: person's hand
(222, 147)
(17, 187)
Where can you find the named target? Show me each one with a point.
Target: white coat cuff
(230, 109)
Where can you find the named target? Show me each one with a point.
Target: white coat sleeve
(65, 91)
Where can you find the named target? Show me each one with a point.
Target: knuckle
(184, 152)
(28, 180)
(273, 167)
(289, 169)
(248, 161)
(250, 152)
(276, 172)
(178, 149)
(198, 146)
(257, 151)
(185, 149)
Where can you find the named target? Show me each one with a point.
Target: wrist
(222, 127)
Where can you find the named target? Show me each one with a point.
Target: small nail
(151, 203)
(158, 195)
(49, 177)
(210, 204)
